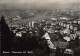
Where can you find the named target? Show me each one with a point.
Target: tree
(77, 41)
(57, 51)
(77, 51)
(5, 35)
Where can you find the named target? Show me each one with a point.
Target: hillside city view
(40, 33)
(39, 28)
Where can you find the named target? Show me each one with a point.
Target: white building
(66, 31)
(19, 34)
(67, 38)
(50, 44)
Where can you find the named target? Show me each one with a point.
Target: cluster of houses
(58, 33)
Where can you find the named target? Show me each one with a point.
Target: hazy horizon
(61, 4)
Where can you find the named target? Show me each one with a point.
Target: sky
(39, 1)
(47, 3)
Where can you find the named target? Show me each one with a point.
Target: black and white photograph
(39, 27)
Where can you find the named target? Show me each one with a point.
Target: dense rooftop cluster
(52, 37)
